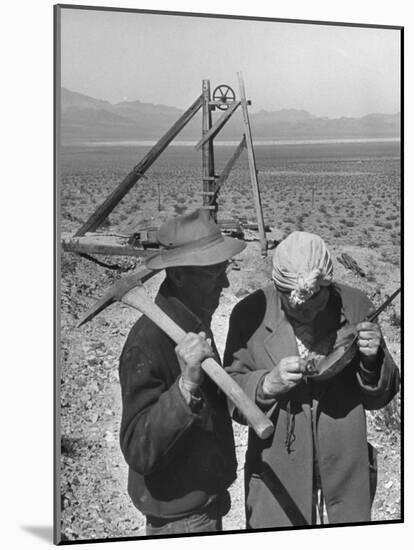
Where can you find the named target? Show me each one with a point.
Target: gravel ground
(93, 474)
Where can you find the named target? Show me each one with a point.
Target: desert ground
(349, 193)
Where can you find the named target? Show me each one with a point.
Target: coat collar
(280, 341)
(176, 309)
(171, 304)
(275, 316)
(354, 304)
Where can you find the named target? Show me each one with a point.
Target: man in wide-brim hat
(317, 467)
(176, 433)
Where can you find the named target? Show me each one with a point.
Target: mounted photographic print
(228, 248)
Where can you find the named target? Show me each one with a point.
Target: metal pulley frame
(223, 95)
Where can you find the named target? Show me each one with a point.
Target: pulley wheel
(225, 94)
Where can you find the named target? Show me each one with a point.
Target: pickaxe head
(117, 291)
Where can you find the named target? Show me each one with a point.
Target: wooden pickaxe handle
(139, 299)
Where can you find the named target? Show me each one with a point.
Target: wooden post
(253, 170)
(139, 170)
(227, 169)
(208, 155)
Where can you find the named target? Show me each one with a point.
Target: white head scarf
(301, 265)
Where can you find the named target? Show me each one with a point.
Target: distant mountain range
(86, 118)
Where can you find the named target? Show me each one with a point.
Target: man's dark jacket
(179, 457)
(279, 477)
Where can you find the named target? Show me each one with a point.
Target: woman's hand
(369, 338)
(285, 375)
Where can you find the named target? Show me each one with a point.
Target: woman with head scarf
(317, 467)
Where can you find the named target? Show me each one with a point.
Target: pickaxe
(130, 291)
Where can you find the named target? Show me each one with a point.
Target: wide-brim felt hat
(193, 239)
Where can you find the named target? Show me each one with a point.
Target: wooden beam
(208, 153)
(107, 246)
(139, 170)
(218, 125)
(253, 170)
(229, 166)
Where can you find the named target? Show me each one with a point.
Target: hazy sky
(328, 70)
